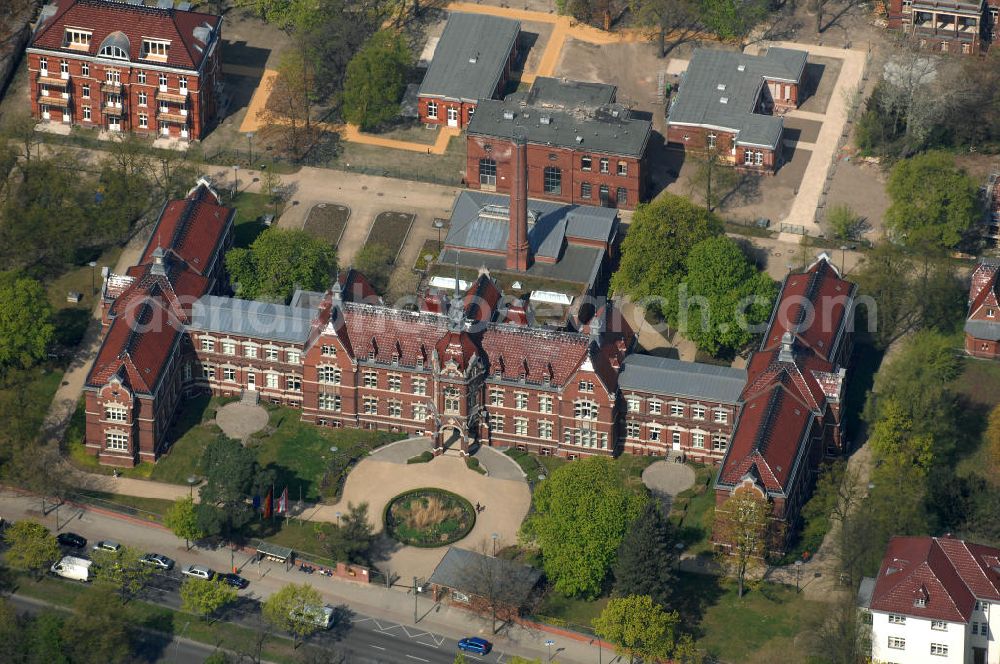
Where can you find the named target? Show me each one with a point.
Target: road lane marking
(376, 647)
(419, 659)
(429, 645)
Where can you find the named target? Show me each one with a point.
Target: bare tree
(493, 581)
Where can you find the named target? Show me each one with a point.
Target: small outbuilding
(484, 583)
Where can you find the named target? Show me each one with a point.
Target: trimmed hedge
(423, 457)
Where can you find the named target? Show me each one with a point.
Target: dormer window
(112, 51)
(920, 602)
(77, 39)
(154, 49)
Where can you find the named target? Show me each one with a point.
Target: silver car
(157, 560)
(198, 572)
(107, 545)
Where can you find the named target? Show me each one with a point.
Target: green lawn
(693, 509)
(250, 208)
(300, 453)
(29, 394)
(390, 230)
(431, 248)
(767, 625)
(152, 509)
(977, 388)
(191, 434)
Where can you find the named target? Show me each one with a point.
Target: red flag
(283, 502)
(268, 504)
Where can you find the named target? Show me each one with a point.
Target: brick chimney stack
(518, 250)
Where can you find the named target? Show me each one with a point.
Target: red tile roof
(106, 17)
(190, 228)
(948, 573)
(137, 346)
(812, 307)
(163, 288)
(533, 353)
(766, 442)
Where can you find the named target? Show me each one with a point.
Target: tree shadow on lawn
(693, 595)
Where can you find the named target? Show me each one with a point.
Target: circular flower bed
(429, 517)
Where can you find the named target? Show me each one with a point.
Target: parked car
(476, 645)
(107, 545)
(198, 572)
(72, 540)
(157, 560)
(234, 580)
(71, 567)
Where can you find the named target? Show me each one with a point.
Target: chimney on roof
(787, 352)
(518, 250)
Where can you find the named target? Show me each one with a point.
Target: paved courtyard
(384, 475)
(239, 420)
(666, 479)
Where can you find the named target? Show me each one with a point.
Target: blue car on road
(476, 645)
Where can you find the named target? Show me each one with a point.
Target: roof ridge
(761, 439)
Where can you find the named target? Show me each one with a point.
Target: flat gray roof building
(470, 57)
(250, 318)
(662, 375)
(721, 89)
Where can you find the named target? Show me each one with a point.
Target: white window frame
(418, 386)
(896, 643)
(116, 441)
(432, 110)
(544, 404)
(228, 347)
(229, 374)
(115, 413)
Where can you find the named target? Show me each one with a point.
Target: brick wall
(573, 172)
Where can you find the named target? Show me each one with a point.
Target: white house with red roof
(935, 600)
(982, 326)
(126, 66)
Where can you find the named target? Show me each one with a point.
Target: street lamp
(191, 480)
(495, 538)
(338, 519)
(843, 258)
(439, 224)
(798, 574)
(250, 139)
(548, 644)
(93, 277)
(236, 179)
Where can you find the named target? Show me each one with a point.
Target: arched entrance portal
(451, 435)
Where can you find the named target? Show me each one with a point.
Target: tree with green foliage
(733, 20)
(912, 290)
(656, 247)
(917, 379)
(376, 80)
(182, 520)
(742, 524)
(232, 478)
(25, 322)
(375, 262)
(203, 597)
(724, 299)
(122, 570)
(992, 436)
(842, 637)
(30, 547)
(639, 627)
(97, 629)
(350, 540)
(899, 451)
(646, 557)
(284, 610)
(844, 221)
(581, 513)
(934, 202)
(279, 261)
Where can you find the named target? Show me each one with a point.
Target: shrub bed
(429, 518)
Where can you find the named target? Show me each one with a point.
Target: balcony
(111, 86)
(172, 116)
(58, 100)
(112, 109)
(53, 81)
(174, 97)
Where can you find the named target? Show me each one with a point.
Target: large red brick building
(966, 27)
(730, 104)
(121, 66)
(792, 404)
(583, 148)
(472, 61)
(982, 326)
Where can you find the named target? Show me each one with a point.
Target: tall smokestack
(518, 250)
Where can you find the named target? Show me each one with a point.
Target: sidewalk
(393, 605)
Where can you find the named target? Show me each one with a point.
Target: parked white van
(71, 567)
(319, 615)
